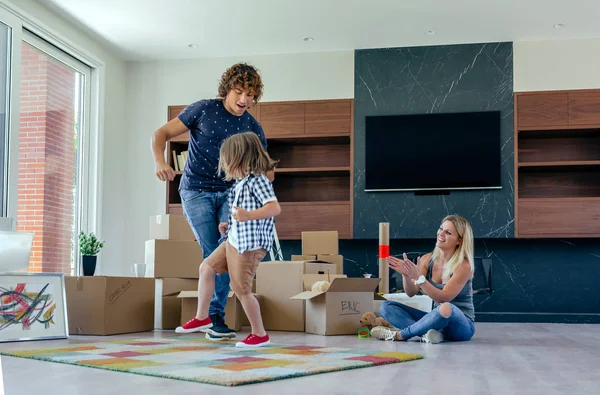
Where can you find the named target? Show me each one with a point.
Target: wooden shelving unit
(557, 164)
(313, 140)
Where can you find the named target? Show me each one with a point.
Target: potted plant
(89, 246)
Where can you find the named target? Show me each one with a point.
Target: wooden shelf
(559, 163)
(175, 209)
(312, 138)
(317, 203)
(562, 199)
(544, 128)
(313, 141)
(297, 217)
(560, 217)
(311, 170)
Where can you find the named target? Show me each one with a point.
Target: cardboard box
(235, 317)
(170, 227)
(315, 243)
(304, 258)
(167, 312)
(338, 310)
(276, 283)
(167, 307)
(101, 305)
(337, 259)
(172, 258)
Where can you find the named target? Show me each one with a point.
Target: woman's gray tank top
(464, 299)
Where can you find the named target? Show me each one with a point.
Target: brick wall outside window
(47, 159)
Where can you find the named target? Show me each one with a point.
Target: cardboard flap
(354, 285)
(306, 295)
(310, 279)
(188, 294)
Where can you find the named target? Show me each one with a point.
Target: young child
(249, 234)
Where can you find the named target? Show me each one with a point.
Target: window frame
(22, 24)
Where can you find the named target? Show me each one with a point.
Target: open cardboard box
(167, 306)
(337, 260)
(338, 310)
(276, 282)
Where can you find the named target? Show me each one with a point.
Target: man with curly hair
(203, 191)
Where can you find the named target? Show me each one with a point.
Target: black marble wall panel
(437, 79)
(552, 280)
(532, 280)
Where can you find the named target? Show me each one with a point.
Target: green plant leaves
(89, 244)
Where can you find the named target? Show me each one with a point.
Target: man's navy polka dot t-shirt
(210, 124)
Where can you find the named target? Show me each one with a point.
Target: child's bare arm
(270, 209)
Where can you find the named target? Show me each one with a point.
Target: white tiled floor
(501, 359)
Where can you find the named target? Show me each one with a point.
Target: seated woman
(445, 275)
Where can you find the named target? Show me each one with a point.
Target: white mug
(139, 269)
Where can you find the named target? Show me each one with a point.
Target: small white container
(15, 250)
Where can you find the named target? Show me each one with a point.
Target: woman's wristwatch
(419, 280)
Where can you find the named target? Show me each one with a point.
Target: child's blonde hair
(242, 154)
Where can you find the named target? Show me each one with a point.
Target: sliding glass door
(54, 106)
(45, 145)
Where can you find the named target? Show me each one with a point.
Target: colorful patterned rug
(190, 358)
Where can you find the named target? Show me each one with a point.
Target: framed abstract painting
(33, 307)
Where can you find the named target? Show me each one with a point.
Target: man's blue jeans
(204, 211)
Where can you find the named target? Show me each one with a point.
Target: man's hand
(240, 215)
(164, 172)
(223, 227)
(159, 140)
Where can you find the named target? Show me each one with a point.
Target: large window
(46, 138)
(53, 101)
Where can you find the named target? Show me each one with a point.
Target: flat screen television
(433, 152)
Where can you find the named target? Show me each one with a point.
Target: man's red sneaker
(254, 341)
(195, 325)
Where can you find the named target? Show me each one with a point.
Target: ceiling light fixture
(308, 39)
(193, 45)
(430, 32)
(559, 25)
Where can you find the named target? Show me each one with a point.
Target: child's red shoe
(195, 325)
(254, 341)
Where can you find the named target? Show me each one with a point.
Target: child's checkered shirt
(257, 191)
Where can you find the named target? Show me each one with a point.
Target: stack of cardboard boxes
(167, 297)
(173, 258)
(288, 303)
(323, 247)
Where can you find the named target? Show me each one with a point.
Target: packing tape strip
(384, 251)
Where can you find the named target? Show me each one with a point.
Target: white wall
(556, 65)
(152, 86)
(115, 178)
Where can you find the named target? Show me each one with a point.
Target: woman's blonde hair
(463, 251)
(242, 154)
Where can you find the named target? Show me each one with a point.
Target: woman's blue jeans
(413, 322)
